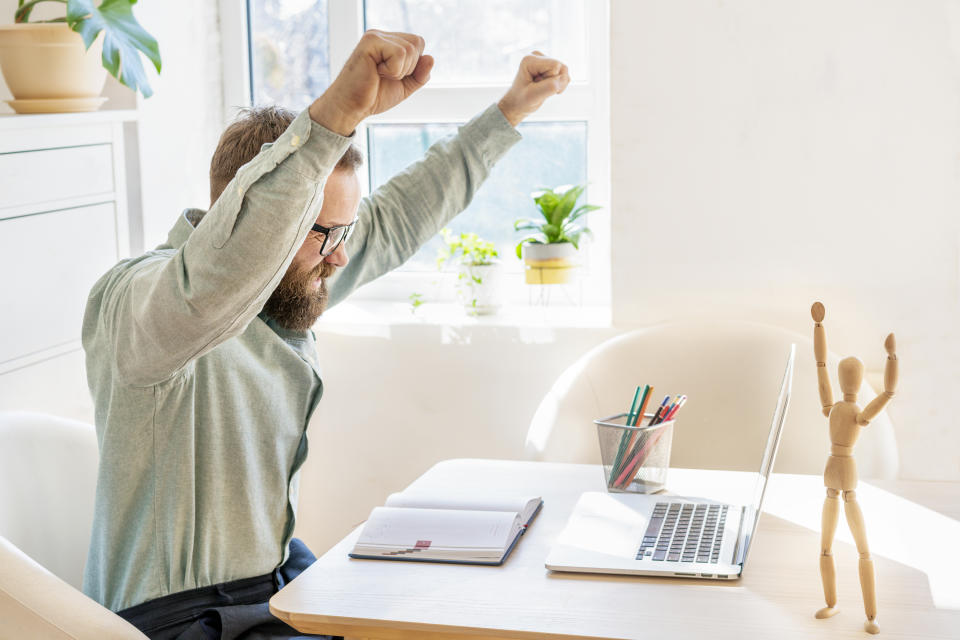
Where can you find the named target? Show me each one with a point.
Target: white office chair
(731, 372)
(48, 474)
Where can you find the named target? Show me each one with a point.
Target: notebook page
(409, 527)
(481, 502)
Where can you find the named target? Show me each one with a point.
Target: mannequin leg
(828, 567)
(867, 579)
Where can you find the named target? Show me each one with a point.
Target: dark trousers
(235, 610)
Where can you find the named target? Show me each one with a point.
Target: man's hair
(242, 139)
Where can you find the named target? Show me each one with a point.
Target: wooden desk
(914, 530)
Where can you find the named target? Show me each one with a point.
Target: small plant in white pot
(479, 272)
(550, 252)
(60, 64)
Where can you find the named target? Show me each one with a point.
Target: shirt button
(295, 141)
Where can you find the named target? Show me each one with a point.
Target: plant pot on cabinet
(48, 70)
(549, 263)
(480, 287)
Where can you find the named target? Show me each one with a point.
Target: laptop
(664, 535)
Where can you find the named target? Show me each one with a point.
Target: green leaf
(123, 39)
(530, 239)
(520, 225)
(566, 204)
(552, 232)
(547, 201)
(582, 211)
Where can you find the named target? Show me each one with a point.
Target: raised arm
(890, 374)
(820, 352)
(409, 209)
(158, 312)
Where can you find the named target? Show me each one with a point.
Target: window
(288, 51)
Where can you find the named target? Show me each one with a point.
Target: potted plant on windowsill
(479, 272)
(57, 65)
(549, 254)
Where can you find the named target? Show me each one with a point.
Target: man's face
(301, 296)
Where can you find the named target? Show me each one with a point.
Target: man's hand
(539, 78)
(383, 70)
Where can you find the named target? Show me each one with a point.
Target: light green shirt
(202, 405)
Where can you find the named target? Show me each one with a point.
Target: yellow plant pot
(47, 68)
(549, 263)
(549, 271)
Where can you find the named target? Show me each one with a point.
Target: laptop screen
(752, 512)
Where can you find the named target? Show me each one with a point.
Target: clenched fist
(383, 70)
(539, 78)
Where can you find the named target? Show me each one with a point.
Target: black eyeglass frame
(326, 235)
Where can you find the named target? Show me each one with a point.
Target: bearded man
(200, 357)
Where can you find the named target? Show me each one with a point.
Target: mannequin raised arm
(820, 351)
(890, 373)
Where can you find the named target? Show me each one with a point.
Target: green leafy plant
(123, 37)
(416, 299)
(465, 249)
(559, 217)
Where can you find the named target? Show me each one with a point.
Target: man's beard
(296, 303)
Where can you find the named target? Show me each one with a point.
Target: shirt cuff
(313, 149)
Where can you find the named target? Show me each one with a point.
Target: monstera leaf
(123, 39)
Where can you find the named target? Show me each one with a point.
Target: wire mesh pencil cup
(635, 459)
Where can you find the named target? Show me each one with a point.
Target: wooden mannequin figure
(846, 421)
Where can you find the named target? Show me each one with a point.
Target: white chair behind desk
(731, 372)
(48, 475)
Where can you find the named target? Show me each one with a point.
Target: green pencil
(625, 436)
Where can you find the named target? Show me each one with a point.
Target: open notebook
(429, 527)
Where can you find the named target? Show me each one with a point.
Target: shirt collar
(184, 226)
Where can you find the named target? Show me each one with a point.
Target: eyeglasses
(333, 237)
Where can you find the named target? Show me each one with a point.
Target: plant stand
(556, 295)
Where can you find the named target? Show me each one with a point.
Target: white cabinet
(63, 223)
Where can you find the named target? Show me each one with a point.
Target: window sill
(366, 317)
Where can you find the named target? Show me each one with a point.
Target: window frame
(583, 101)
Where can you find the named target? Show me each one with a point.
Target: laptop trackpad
(608, 524)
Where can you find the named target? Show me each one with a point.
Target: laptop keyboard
(684, 532)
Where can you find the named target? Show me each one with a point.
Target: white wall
(798, 152)
(181, 123)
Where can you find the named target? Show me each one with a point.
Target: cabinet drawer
(48, 263)
(29, 177)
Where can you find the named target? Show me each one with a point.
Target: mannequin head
(851, 375)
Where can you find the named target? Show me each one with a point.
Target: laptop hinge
(739, 550)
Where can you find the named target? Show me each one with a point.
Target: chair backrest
(48, 478)
(731, 372)
(34, 603)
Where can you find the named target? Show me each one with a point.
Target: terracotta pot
(549, 263)
(46, 66)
